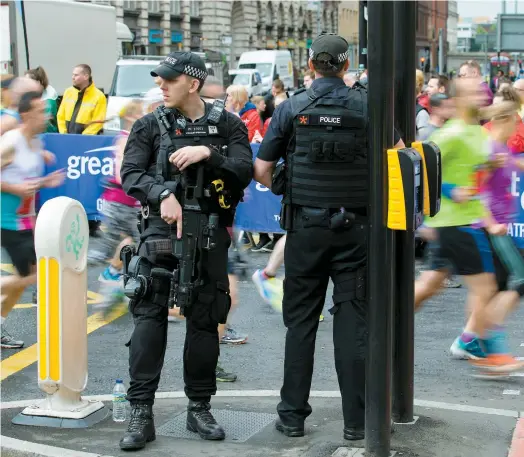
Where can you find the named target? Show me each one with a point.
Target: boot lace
(138, 421)
(204, 415)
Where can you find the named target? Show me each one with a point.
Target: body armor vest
(328, 167)
(177, 133)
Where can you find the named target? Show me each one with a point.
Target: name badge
(196, 130)
(330, 120)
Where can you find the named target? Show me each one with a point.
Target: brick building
(432, 15)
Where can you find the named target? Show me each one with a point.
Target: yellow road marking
(93, 298)
(25, 305)
(28, 356)
(7, 267)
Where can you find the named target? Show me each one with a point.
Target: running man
(22, 163)
(463, 225)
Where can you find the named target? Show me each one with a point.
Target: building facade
(348, 28)
(466, 33)
(229, 26)
(432, 18)
(452, 25)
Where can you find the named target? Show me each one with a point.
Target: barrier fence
(88, 161)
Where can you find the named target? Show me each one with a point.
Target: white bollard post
(61, 242)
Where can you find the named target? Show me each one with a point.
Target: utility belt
(294, 217)
(217, 200)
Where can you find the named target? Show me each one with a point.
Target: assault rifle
(198, 235)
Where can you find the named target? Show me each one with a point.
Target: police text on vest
(330, 120)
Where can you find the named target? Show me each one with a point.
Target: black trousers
(147, 345)
(313, 255)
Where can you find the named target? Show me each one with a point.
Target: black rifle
(198, 236)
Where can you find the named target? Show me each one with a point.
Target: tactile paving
(239, 425)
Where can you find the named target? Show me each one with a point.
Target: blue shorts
(468, 249)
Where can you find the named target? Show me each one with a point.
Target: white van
(271, 65)
(250, 79)
(132, 80)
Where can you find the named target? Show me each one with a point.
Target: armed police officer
(188, 164)
(322, 135)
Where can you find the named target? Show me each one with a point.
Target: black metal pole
(380, 265)
(362, 36)
(24, 26)
(403, 355)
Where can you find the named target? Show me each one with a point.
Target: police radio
(430, 154)
(216, 111)
(406, 189)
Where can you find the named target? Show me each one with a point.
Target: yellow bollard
(61, 242)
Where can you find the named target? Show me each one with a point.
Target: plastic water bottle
(119, 401)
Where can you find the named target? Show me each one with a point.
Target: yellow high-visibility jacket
(80, 108)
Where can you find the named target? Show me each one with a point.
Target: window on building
(130, 5)
(175, 7)
(194, 8)
(154, 6)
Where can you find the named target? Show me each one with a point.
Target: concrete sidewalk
(249, 423)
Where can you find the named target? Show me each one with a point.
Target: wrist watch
(165, 193)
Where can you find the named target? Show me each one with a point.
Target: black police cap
(181, 63)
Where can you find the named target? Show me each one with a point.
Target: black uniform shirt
(280, 130)
(139, 164)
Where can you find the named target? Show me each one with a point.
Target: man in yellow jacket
(83, 108)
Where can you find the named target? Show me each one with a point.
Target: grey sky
(490, 8)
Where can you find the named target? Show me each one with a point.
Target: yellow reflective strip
(42, 318)
(54, 320)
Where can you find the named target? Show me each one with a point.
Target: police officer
(321, 133)
(201, 135)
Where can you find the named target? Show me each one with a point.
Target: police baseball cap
(181, 63)
(329, 43)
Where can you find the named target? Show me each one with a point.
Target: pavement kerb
(12, 447)
(517, 443)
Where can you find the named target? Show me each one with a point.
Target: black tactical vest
(176, 133)
(328, 167)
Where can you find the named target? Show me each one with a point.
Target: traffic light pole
(404, 328)
(362, 37)
(380, 243)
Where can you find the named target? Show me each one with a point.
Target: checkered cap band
(195, 72)
(343, 57)
(340, 58)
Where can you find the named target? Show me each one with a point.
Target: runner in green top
(463, 148)
(459, 239)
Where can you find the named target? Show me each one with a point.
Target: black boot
(354, 433)
(141, 428)
(201, 421)
(358, 433)
(289, 430)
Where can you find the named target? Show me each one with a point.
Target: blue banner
(87, 161)
(516, 230)
(260, 210)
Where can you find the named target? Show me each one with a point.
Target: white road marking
(276, 393)
(510, 392)
(27, 447)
